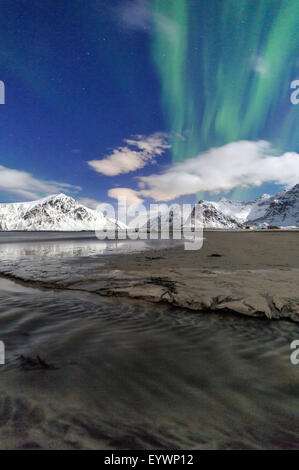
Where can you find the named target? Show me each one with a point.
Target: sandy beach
(251, 273)
(116, 345)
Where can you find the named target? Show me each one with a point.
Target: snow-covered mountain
(205, 211)
(282, 210)
(57, 212)
(61, 212)
(174, 219)
(213, 217)
(242, 211)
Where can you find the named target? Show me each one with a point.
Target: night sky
(146, 86)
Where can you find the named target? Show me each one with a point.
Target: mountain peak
(58, 196)
(57, 212)
(281, 209)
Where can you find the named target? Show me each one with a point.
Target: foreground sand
(257, 274)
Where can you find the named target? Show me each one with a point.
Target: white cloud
(27, 187)
(135, 155)
(95, 205)
(238, 164)
(259, 65)
(132, 197)
(135, 15)
(121, 160)
(91, 203)
(139, 15)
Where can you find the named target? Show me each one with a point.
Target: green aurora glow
(226, 72)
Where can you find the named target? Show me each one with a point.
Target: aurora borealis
(102, 95)
(226, 72)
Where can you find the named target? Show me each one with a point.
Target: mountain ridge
(57, 212)
(281, 209)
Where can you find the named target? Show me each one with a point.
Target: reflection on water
(30, 256)
(15, 245)
(63, 249)
(131, 375)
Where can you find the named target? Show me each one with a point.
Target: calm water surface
(132, 375)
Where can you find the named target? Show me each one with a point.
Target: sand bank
(250, 273)
(256, 274)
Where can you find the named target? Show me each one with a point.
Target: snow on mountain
(282, 210)
(243, 211)
(174, 219)
(212, 217)
(56, 212)
(177, 217)
(61, 212)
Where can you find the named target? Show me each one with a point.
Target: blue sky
(82, 78)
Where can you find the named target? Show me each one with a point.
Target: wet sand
(123, 373)
(256, 274)
(249, 273)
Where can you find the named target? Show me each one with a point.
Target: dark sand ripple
(133, 376)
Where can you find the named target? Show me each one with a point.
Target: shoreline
(246, 273)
